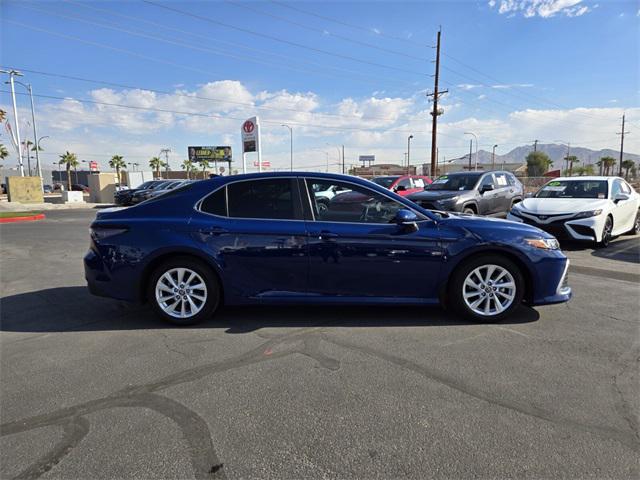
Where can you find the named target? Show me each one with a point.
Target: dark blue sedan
(267, 239)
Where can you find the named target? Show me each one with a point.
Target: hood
(554, 206)
(436, 194)
(488, 227)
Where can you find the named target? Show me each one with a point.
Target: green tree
(188, 166)
(537, 164)
(204, 164)
(607, 164)
(117, 162)
(627, 165)
(71, 161)
(571, 159)
(156, 164)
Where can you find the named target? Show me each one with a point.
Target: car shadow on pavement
(622, 249)
(75, 309)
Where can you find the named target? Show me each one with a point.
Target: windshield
(384, 181)
(574, 189)
(454, 182)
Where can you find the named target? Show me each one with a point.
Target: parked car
(166, 188)
(145, 194)
(592, 209)
(78, 187)
(261, 239)
(123, 197)
(47, 189)
(477, 193)
(403, 184)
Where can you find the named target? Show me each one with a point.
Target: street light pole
(476, 137)
(35, 131)
(493, 157)
(409, 152)
(13, 73)
(291, 146)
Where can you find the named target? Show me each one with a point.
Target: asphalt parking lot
(95, 388)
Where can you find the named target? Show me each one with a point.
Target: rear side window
(501, 179)
(216, 203)
(270, 199)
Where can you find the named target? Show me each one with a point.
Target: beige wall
(25, 189)
(102, 187)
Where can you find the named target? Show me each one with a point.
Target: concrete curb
(28, 218)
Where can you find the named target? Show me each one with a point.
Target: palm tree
(571, 159)
(4, 153)
(187, 165)
(204, 164)
(156, 164)
(117, 162)
(627, 165)
(607, 163)
(70, 160)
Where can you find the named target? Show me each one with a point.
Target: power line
(280, 40)
(190, 96)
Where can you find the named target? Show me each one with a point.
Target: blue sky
(352, 73)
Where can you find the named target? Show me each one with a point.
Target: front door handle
(213, 231)
(326, 235)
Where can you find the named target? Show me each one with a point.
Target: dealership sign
(210, 154)
(250, 135)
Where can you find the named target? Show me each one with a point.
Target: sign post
(251, 141)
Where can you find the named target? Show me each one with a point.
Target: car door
(255, 229)
(487, 201)
(355, 249)
(624, 211)
(504, 192)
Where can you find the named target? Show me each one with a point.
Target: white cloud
(468, 86)
(542, 8)
(512, 85)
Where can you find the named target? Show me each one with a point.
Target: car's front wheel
(606, 233)
(487, 288)
(184, 291)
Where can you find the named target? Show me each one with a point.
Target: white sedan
(582, 208)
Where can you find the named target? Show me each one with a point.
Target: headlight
(591, 213)
(544, 243)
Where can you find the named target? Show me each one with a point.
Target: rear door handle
(213, 231)
(326, 235)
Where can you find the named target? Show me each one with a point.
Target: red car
(403, 184)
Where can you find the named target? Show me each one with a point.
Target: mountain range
(556, 153)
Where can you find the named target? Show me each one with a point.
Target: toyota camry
(262, 239)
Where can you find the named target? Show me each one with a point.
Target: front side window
(269, 198)
(357, 205)
(405, 183)
(486, 181)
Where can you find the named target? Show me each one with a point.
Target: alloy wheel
(606, 232)
(181, 292)
(489, 290)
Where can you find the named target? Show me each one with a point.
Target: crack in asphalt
(195, 431)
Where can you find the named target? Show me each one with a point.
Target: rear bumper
(101, 282)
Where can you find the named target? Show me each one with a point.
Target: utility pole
(343, 159)
(15, 73)
(409, 153)
(622, 133)
(535, 146)
(470, 152)
(434, 122)
(166, 151)
(493, 157)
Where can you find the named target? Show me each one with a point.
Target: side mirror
(406, 218)
(620, 197)
(486, 188)
(400, 188)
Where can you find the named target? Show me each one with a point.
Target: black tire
(209, 278)
(455, 297)
(635, 230)
(606, 233)
(469, 210)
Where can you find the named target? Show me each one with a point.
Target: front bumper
(584, 229)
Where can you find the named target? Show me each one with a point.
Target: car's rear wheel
(184, 291)
(606, 233)
(487, 288)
